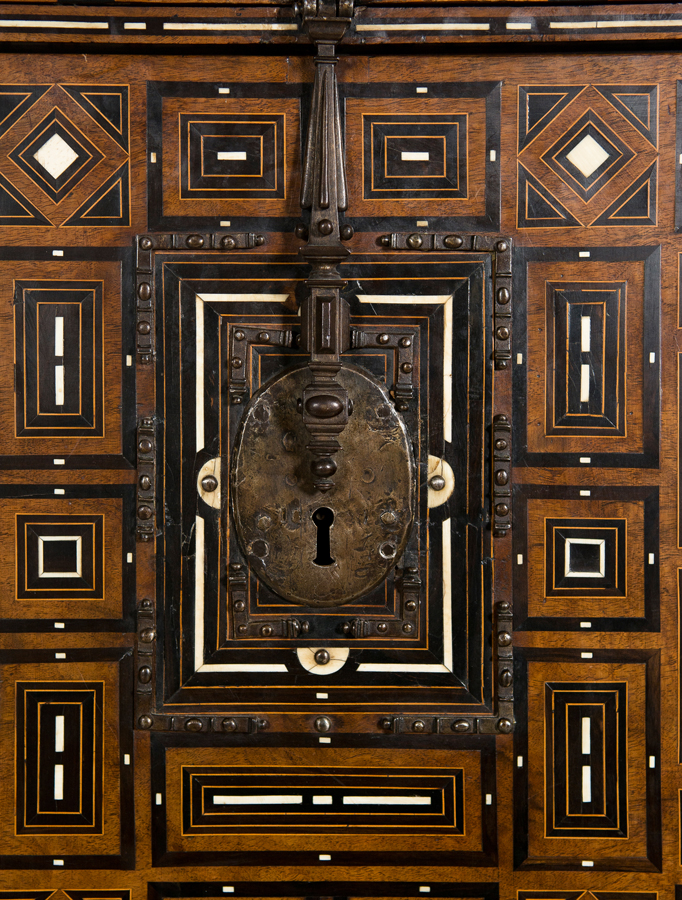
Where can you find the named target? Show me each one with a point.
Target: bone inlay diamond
(55, 156)
(587, 156)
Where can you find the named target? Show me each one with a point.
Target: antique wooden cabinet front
(339, 451)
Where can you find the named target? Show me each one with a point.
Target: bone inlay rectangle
(585, 333)
(199, 372)
(59, 734)
(59, 336)
(584, 383)
(59, 782)
(408, 156)
(386, 801)
(257, 799)
(322, 800)
(221, 26)
(586, 733)
(59, 385)
(231, 154)
(423, 26)
(199, 590)
(244, 298)
(587, 784)
(52, 23)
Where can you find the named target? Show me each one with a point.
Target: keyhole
(323, 519)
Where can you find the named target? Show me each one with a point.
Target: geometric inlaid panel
(222, 800)
(59, 730)
(587, 761)
(415, 157)
(587, 155)
(59, 358)
(433, 156)
(586, 368)
(228, 154)
(586, 338)
(68, 389)
(239, 646)
(231, 157)
(60, 557)
(66, 759)
(66, 558)
(65, 151)
(232, 801)
(586, 559)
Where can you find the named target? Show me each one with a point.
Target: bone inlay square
(587, 156)
(55, 156)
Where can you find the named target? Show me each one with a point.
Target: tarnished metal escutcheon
(274, 502)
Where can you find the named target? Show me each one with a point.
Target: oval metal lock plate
(358, 530)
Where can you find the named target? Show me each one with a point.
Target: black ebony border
(125, 859)
(127, 458)
(339, 890)
(653, 861)
(156, 92)
(486, 857)
(469, 687)
(522, 493)
(86, 492)
(491, 91)
(651, 372)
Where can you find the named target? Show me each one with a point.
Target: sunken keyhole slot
(323, 517)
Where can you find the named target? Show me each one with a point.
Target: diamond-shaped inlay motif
(587, 156)
(56, 155)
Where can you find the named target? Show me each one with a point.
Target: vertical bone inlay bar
(59, 734)
(585, 347)
(59, 782)
(59, 353)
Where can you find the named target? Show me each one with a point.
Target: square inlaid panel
(232, 155)
(586, 559)
(587, 155)
(67, 558)
(66, 152)
(587, 341)
(434, 156)
(399, 641)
